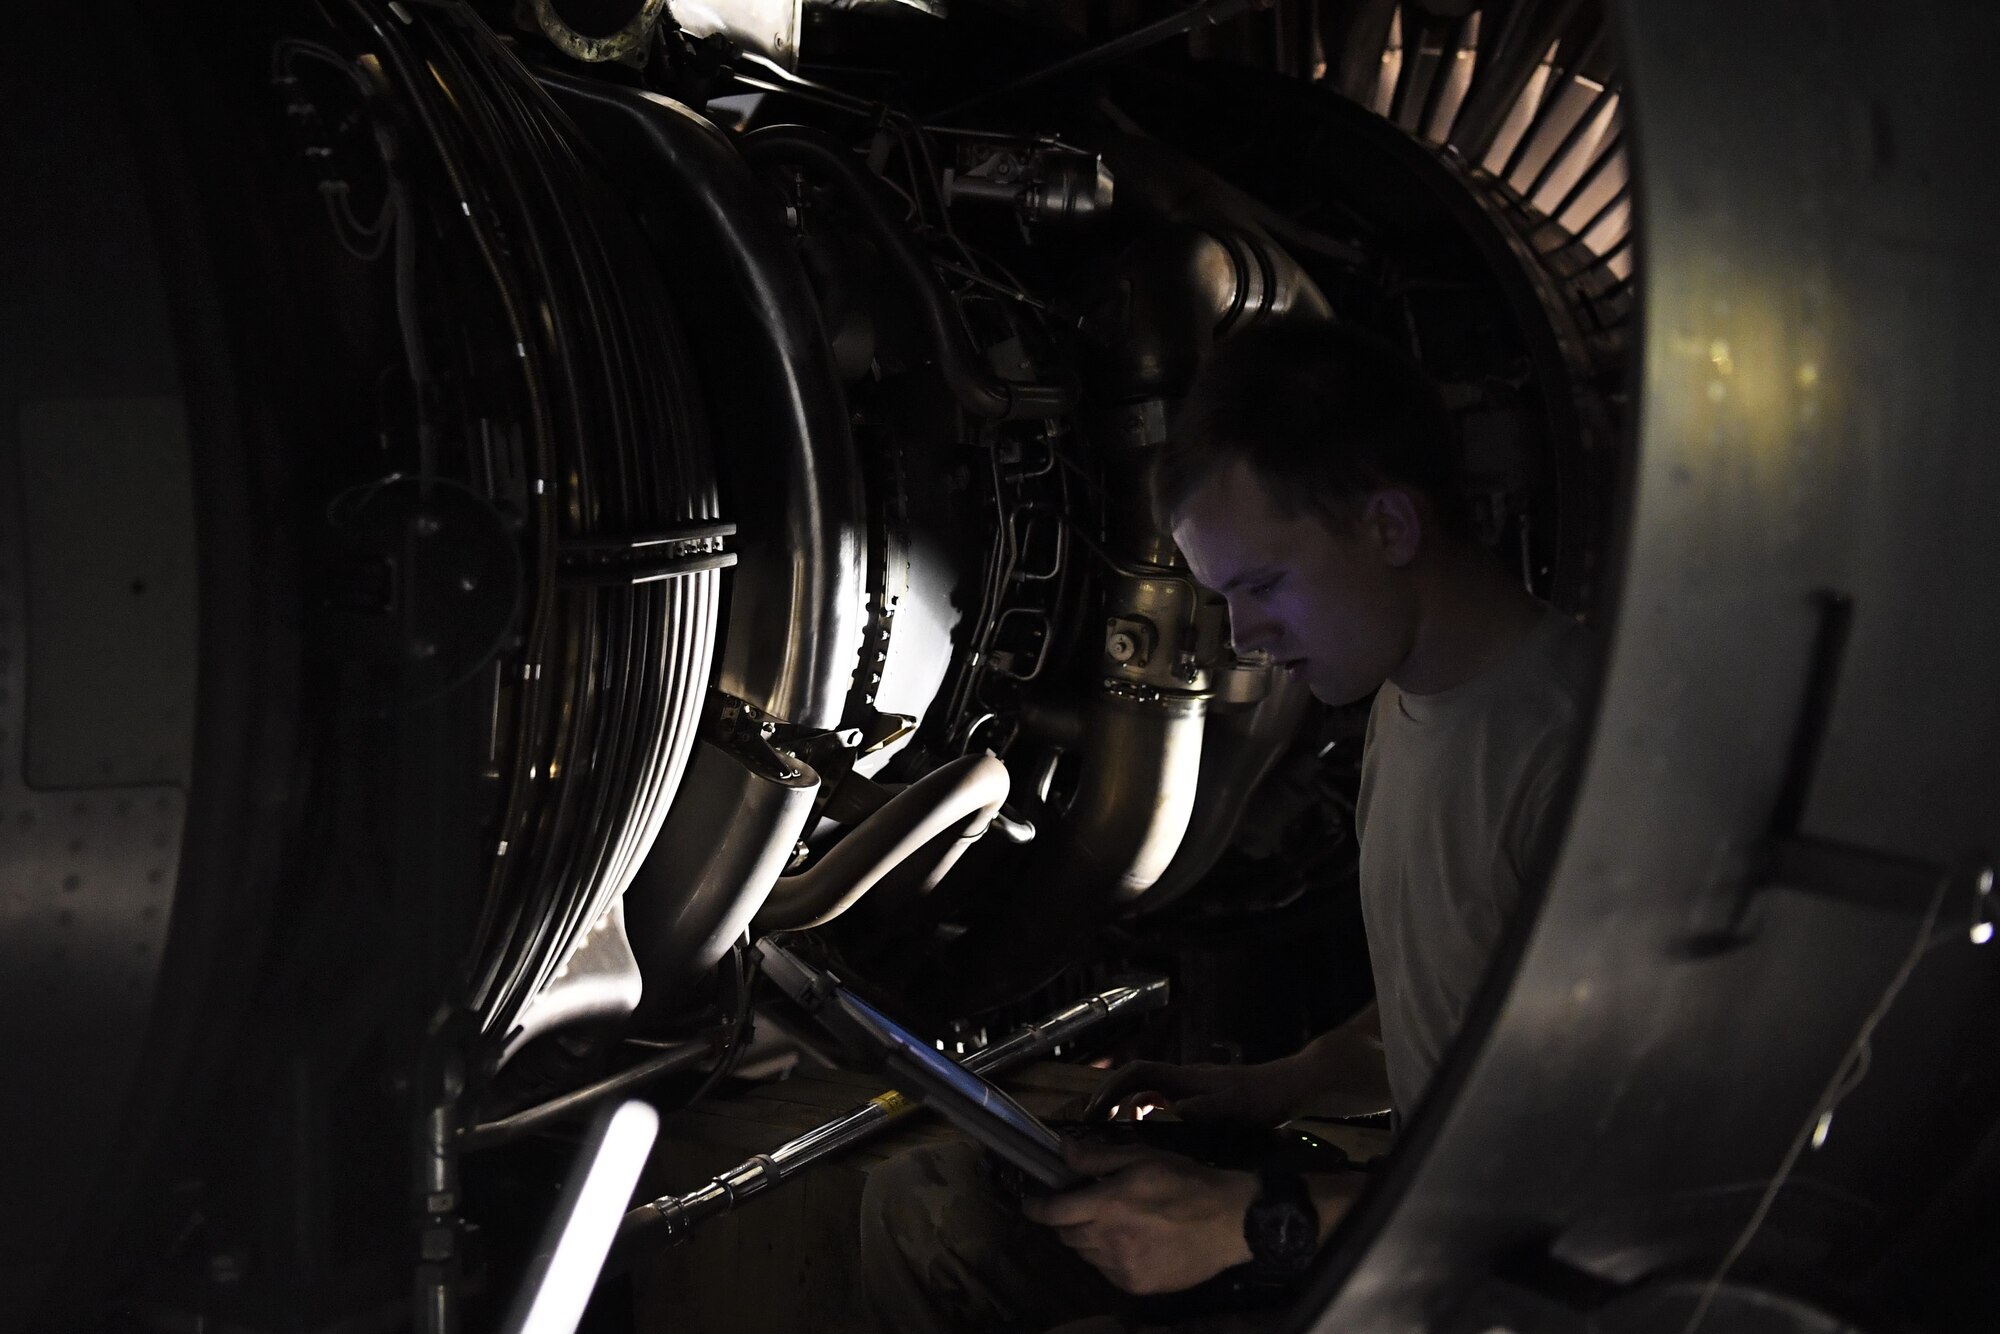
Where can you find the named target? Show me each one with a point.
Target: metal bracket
(685, 549)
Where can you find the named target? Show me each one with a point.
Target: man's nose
(1249, 631)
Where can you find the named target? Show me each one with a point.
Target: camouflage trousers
(945, 1250)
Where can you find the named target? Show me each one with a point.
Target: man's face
(1335, 607)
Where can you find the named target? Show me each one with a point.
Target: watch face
(1282, 1226)
(1281, 1233)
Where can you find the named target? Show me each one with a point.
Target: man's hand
(1249, 1095)
(1154, 1222)
(1339, 1073)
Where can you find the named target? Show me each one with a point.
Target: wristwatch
(1281, 1225)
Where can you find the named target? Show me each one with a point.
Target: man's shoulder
(1569, 664)
(1547, 683)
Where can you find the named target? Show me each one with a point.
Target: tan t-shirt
(1457, 796)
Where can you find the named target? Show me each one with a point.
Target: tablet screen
(991, 1099)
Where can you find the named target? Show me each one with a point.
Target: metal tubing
(1240, 745)
(961, 797)
(794, 633)
(435, 1279)
(681, 1214)
(508, 1128)
(723, 847)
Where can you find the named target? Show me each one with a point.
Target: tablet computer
(972, 1103)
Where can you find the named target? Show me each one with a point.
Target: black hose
(977, 389)
(508, 1128)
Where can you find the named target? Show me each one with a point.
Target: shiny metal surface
(724, 845)
(768, 27)
(1129, 823)
(793, 639)
(599, 982)
(1134, 799)
(952, 805)
(1239, 744)
(1820, 306)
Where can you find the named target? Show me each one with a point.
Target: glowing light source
(1982, 908)
(563, 1275)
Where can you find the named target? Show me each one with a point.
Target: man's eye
(1266, 588)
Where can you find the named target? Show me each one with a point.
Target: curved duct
(977, 389)
(952, 805)
(728, 840)
(1242, 742)
(1135, 797)
(1128, 820)
(1204, 269)
(795, 619)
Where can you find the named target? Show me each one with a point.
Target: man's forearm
(1341, 1072)
(1332, 1196)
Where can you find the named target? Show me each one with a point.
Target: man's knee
(945, 1245)
(906, 1199)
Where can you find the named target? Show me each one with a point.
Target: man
(1310, 482)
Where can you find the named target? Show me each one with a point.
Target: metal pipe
(978, 390)
(435, 1280)
(1134, 798)
(490, 1133)
(795, 625)
(1240, 745)
(724, 845)
(962, 796)
(681, 1214)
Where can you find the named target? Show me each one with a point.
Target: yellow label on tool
(891, 1102)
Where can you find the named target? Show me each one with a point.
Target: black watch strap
(1281, 1225)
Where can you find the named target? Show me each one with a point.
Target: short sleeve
(1541, 814)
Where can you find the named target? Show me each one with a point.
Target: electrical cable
(498, 913)
(1847, 1076)
(727, 1060)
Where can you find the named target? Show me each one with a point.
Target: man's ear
(1394, 525)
